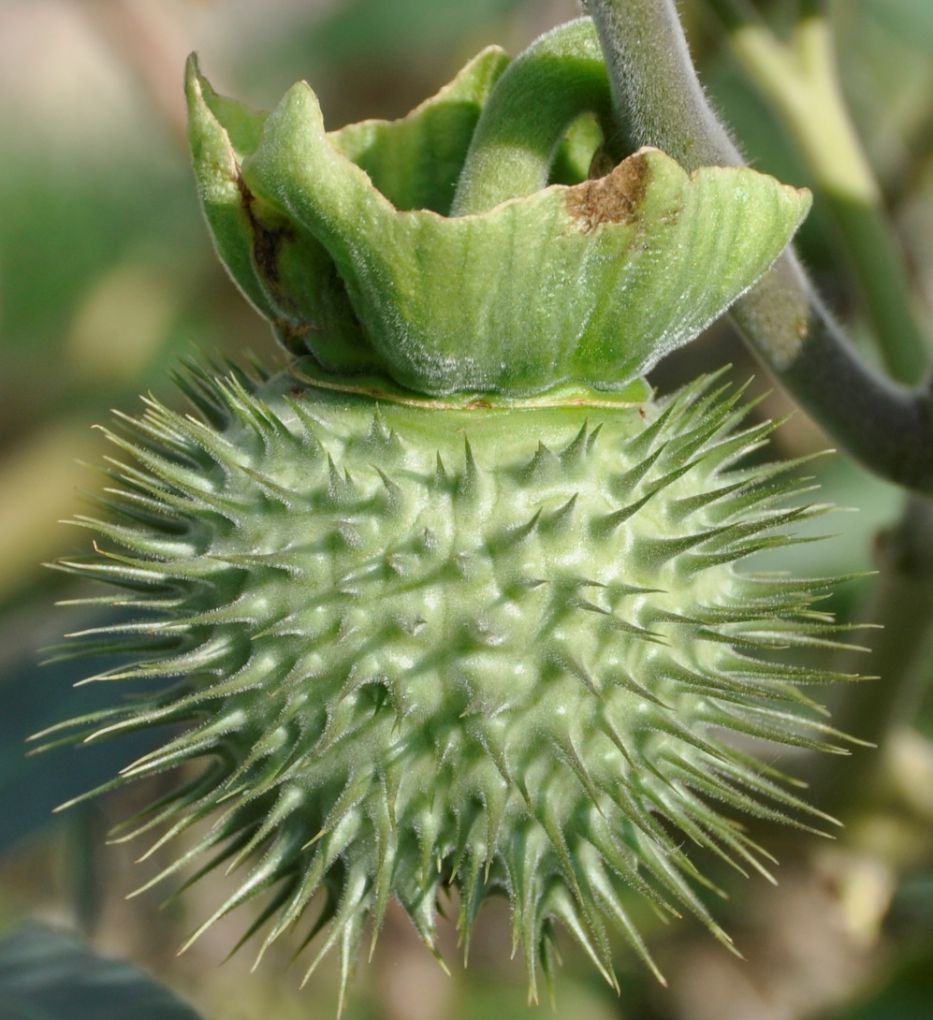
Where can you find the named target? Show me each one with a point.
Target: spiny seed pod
(454, 602)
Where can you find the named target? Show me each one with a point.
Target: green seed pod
(453, 601)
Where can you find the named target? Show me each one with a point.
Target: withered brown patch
(615, 198)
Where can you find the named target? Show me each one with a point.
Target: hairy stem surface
(886, 425)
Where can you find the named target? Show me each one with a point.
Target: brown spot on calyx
(267, 241)
(615, 198)
(267, 247)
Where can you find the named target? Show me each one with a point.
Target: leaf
(50, 975)
(33, 697)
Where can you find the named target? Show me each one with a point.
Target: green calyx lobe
(429, 251)
(501, 650)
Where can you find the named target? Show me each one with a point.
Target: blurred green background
(107, 278)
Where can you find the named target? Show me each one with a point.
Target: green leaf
(49, 975)
(32, 698)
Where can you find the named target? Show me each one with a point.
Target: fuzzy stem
(800, 82)
(655, 85)
(888, 426)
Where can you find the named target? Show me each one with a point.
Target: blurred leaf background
(107, 278)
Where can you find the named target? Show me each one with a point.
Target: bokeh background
(107, 279)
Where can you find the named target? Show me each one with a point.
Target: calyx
(345, 242)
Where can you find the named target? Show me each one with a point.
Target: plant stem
(655, 85)
(801, 84)
(886, 425)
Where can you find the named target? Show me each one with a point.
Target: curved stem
(655, 85)
(800, 82)
(888, 426)
(883, 424)
(518, 134)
